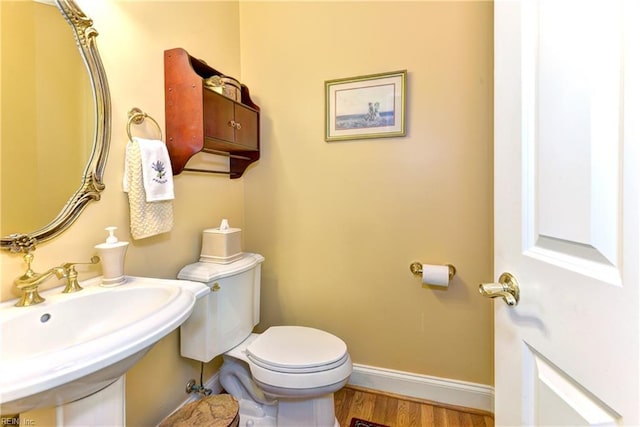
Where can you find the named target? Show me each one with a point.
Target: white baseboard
(442, 390)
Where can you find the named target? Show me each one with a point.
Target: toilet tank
(224, 317)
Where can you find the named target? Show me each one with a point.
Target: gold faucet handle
(72, 275)
(69, 265)
(21, 282)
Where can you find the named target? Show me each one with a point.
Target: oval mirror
(56, 120)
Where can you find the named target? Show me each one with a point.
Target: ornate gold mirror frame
(92, 183)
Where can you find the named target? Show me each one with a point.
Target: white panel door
(567, 162)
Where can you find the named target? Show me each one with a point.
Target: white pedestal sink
(74, 345)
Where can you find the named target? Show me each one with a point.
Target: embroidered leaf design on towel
(158, 166)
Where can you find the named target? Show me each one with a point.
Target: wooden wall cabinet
(199, 119)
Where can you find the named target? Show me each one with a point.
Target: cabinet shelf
(199, 119)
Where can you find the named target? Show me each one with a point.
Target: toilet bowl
(294, 368)
(285, 376)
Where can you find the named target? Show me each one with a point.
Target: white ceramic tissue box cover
(221, 246)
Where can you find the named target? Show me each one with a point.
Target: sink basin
(73, 345)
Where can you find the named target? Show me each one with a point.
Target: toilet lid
(297, 349)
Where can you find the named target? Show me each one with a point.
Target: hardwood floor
(399, 411)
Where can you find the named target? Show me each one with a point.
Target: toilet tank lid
(207, 272)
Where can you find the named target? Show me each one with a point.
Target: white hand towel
(146, 219)
(157, 175)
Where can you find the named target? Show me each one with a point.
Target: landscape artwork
(365, 107)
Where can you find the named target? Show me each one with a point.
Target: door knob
(507, 288)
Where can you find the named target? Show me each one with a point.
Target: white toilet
(285, 376)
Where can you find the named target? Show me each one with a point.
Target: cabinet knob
(234, 124)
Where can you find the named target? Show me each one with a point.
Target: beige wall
(338, 223)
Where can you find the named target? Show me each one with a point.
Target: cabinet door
(218, 117)
(246, 127)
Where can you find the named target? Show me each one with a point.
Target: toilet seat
(297, 349)
(297, 357)
(307, 370)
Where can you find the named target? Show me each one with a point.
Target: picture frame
(364, 107)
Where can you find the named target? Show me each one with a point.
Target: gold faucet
(28, 283)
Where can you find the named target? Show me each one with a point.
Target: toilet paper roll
(435, 275)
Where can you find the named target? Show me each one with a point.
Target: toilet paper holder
(416, 269)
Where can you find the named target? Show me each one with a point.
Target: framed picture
(365, 107)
